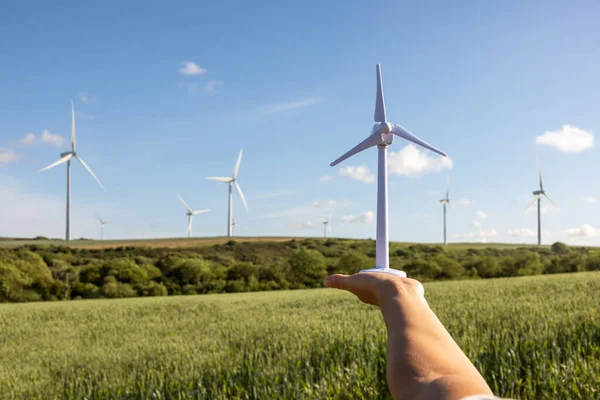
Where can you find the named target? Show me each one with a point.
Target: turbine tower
(190, 215)
(232, 181)
(327, 224)
(66, 158)
(444, 202)
(538, 197)
(382, 135)
(102, 223)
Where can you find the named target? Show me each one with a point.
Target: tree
(560, 248)
(307, 267)
(353, 261)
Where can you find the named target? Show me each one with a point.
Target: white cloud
(360, 173)
(477, 224)
(569, 139)
(481, 214)
(412, 162)
(548, 208)
(481, 234)
(584, 230)
(45, 137)
(464, 202)
(590, 200)
(211, 87)
(325, 179)
(28, 139)
(292, 105)
(366, 218)
(301, 225)
(8, 156)
(190, 68)
(52, 138)
(329, 203)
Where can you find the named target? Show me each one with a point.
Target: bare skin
(423, 361)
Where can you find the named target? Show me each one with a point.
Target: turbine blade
(552, 201)
(533, 202)
(239, 189)
(237, 165)
(89, 170)
(371, 141)
(220, 178)
(73, 127)
(184, 204)
(403, 133)
(447, 186)
(379, 102)
(99, 219)
(451, 206)
(62, 160)
(200, 211)
(540, 172)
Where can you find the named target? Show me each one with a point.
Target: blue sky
(166, 95)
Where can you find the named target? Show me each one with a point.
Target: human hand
(376, 288)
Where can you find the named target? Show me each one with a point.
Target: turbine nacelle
(66, 153)
(536, 192)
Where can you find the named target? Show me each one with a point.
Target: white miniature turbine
(230, 181)
(190, 215)
(382, 135)
(66, 158)
(538, 197)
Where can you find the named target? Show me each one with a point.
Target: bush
(352, 262)
(307, 267)
(560, 248)
(113, 289)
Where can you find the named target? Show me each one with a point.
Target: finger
(336, 281)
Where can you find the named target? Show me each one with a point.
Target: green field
(532, 337)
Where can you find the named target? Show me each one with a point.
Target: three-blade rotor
(541, 192)
(383, 131)
(233, 179)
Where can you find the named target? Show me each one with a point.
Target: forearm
(423, 359)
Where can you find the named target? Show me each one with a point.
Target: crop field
(532, 337)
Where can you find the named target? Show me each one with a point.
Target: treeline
(35, 272)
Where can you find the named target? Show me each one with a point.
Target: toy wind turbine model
(382, 135)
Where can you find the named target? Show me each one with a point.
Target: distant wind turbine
(102, 223)
(232, 181)
(66, 158)
(327, 225)
(233, 226)
(190, 215)
(538, 196)
(382, 135)
(444, 202)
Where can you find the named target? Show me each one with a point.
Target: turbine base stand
(390, 271)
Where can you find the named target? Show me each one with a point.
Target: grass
(534, 337)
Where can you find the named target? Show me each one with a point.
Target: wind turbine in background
(444, 202)
(66, 158)
(327, 224)
(232, 181)
(538, 197)
(233, 226)
(191, 214)
(102, 223)
(382, 135)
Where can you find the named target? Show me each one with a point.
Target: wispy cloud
(526, 232)
(291, 105)
(272, 195)
(45, 137)
(463, 202)
(190, 68)
(8, 156)
(584, 230)
(366, 218)
(568, 139)
(86, 98)
(360, 173)
(481, 214)
(301, 225)
(590, 200)
(211, 86)
(329, 203)
(325, 179)
(414, 163)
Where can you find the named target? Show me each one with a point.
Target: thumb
(337, 281)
